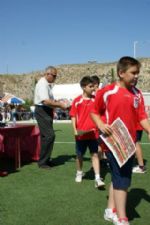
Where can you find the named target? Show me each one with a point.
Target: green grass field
(33, 196)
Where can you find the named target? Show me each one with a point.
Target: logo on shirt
(136, 102)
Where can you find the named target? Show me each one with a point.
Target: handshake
(65, 104)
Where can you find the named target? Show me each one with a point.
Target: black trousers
(44, 117)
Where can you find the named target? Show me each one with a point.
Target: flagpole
(134, 48)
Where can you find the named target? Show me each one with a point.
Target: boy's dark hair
(126, 62)
(95, 79)
(85, 81)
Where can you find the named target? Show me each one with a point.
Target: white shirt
(32, 108)
(43, 91)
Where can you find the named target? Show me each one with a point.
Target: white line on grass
(72, 142)
(64, 142)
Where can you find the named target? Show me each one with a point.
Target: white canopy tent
(66, 91)
(146, 96)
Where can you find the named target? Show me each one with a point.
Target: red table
(20, 142)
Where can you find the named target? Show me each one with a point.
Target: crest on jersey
(136, 102)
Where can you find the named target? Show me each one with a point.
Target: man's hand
(64, 106)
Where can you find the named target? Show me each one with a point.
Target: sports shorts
(121, 177)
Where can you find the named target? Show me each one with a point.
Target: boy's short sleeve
(99, 106)
(73, 109)
(141, 110)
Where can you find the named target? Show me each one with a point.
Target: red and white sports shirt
(114, 101)
(80, 109)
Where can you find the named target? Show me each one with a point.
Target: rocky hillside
(23, 85)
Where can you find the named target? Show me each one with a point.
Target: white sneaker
(111, 216)
(138, 169)
(122, 222)
(79, 176)
(99, 183)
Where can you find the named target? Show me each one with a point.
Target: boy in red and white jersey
(120, 99)
(140, 168)
(85, 130)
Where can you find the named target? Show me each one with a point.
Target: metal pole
(135, 43)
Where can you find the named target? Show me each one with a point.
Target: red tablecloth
(29, 141)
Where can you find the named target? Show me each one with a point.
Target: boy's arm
(146, 125)
(99, 107)
(143, 116)
(103, 127)
(73, 119)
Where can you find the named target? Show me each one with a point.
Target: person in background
(120, 99)
(13, 112)
(44, 105)
(96, 83)
(85, 130)
(32, 109)
(140, 168)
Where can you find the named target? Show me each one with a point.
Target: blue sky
(38, 33)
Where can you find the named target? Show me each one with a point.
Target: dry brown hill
(23, 85)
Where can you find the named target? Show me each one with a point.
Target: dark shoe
(3, 173)
(51, 163)
(46, 167)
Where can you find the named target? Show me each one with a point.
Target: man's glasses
(50, 74)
